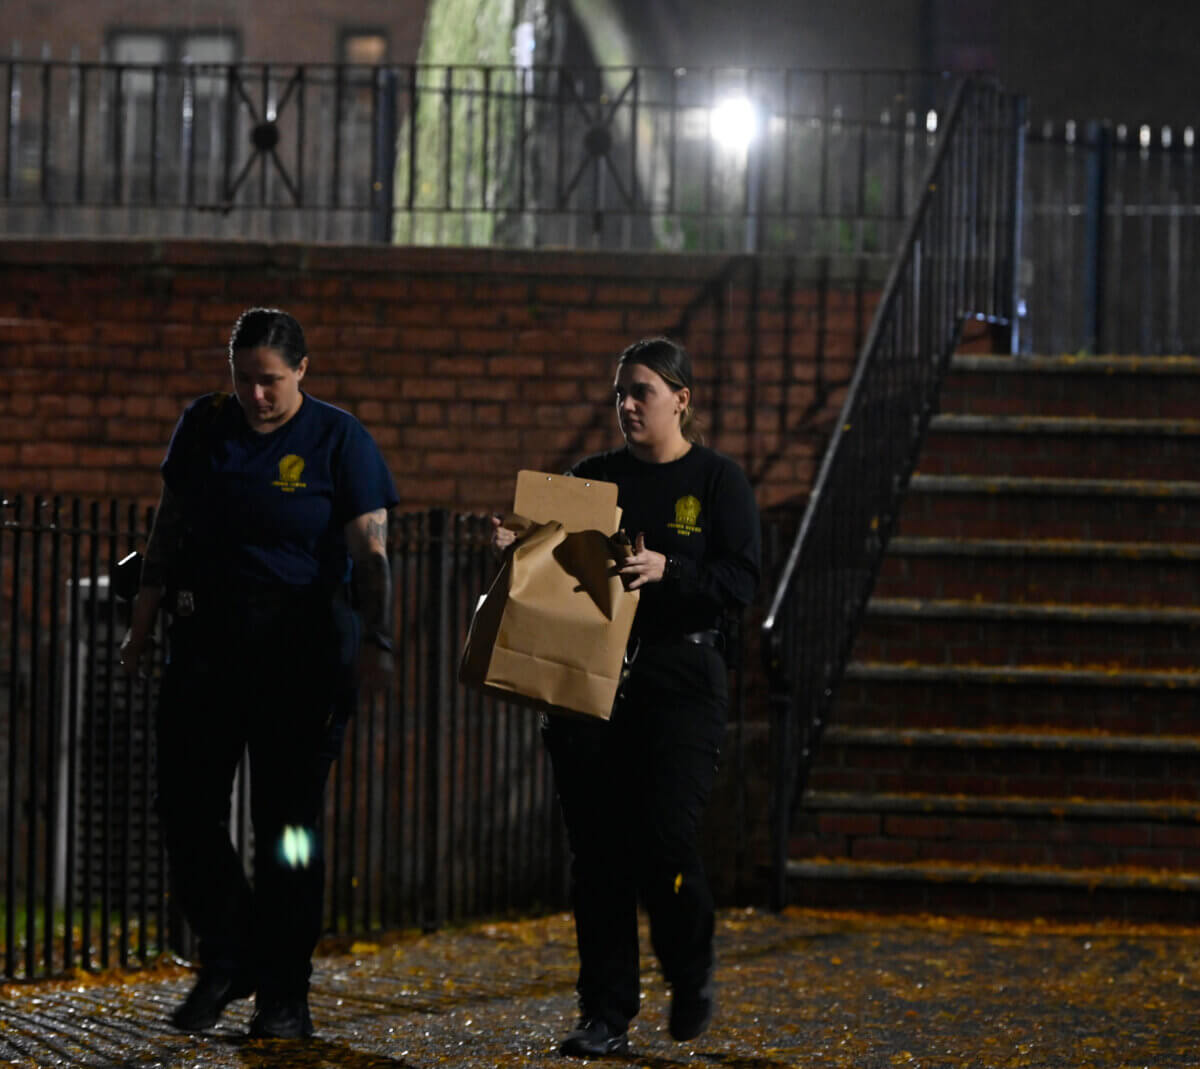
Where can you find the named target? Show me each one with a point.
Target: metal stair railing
(958, 261)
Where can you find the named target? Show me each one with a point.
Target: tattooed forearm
(366, 536)
(373, 591)
(376, 529)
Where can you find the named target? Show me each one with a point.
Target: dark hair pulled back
(670, 362)
(272, 329)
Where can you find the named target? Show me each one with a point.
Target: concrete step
(1020, 507)
(1008, 763)
(1040, 570)
(1000, 875)
(1033, 613)
(1102, 489)
(1064, 833)
(935, 631)
(1115, 387)
(1010, 738)
(1017, 728)
(981, 889)
(1068, 676)
(1036, 698)
(1057, 446)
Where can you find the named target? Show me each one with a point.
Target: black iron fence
(441, 806)
(958, 261)
(797, 161)
(824, 161)
(198, 150)
(1113, 239)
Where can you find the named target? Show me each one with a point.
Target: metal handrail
(957, 261)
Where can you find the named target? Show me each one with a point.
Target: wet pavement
(797, 989)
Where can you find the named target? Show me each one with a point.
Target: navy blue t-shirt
(271, 508)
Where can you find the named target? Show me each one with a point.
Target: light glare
(734, 123)
(296, 847)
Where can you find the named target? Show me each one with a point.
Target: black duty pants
(632, 792)
(267, 672)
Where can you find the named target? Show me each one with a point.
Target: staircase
(1019, 729)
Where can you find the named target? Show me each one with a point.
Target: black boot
(281, 1017)
(212, 992)
(691, 1010)
(594, 1038)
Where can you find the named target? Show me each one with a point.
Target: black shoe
(213, 991)
(691, 1011)
(281, 1017)
(594, 1038)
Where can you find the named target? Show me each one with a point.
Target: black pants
(632, 792)
(269, 673)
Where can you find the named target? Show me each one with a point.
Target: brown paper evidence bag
(551, 631)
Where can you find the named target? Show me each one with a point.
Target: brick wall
(466, 365)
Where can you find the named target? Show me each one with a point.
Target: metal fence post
(1017, 200)
(383, 181)
(780, 705)
(1099, 137)
(439, 661)
(13, 799)
(782, 797)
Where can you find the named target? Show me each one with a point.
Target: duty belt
(712, 637)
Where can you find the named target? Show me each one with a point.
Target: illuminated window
(171, 46)
(366, 47)
(207, 48)
(169, 91)
(136, 49)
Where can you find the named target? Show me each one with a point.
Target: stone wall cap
(433, 260)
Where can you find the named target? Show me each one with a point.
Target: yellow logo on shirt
(291, 468)
(687, 516)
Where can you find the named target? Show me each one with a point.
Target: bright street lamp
(733, 123)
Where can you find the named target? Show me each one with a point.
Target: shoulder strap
(208, 414)
(206, 420)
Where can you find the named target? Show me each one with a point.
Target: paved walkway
(798, 989)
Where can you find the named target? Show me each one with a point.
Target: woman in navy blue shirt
(271, 501)
(633, 788)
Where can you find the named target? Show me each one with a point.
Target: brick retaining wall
(466, 365)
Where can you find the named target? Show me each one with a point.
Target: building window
(168, 92)
(137, 49)
(363, 46)
(161, 48)
(172, 46)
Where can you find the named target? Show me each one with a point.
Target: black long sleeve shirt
(700, 510)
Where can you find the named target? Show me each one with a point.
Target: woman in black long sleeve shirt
(633, 788)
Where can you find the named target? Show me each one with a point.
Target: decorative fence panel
(637, 158)
(441, 806)
(805, 162)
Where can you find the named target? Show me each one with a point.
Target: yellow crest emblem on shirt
(291, 468)
(687, 515)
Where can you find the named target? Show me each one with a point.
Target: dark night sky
(1126, 61)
